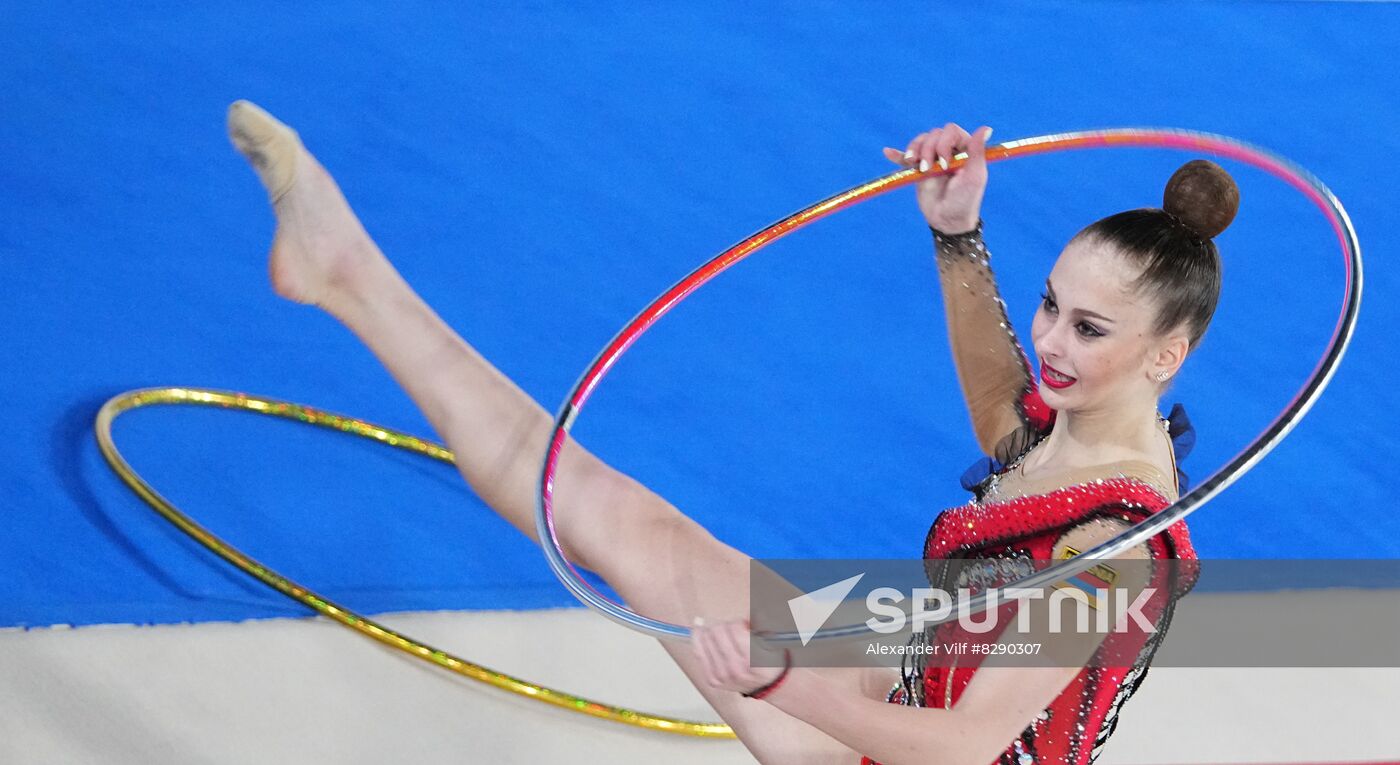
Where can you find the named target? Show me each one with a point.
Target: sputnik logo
(810, 611)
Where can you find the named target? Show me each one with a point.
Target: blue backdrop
(539, 173)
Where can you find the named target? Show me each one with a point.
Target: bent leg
(661, 562)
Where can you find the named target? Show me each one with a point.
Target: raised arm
(991, 365)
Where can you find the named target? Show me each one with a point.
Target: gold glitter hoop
(249, 403)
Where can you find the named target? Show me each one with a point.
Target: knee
(620, 521)
(659, 565)
(649, 541)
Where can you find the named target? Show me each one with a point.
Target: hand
(723, 651)
(951, 201)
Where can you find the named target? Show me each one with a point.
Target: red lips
(1056, 384)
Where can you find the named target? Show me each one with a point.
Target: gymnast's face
(1093, 333)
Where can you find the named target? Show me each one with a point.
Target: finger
(977, 153)
(977, 144)
(911, 152)
(952, 139)
(720, 669)
(896, 156)
(717, 663)
(928, 150)
(700, 645)
(722, 644)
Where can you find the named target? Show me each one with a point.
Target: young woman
(1126, 301)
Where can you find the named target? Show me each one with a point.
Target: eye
(1047, 302)
(1088, 330)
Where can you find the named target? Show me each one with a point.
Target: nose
(1053, 342)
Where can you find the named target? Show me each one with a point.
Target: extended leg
(662, 563)
(322, 255)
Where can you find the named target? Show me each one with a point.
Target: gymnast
(1071, 461)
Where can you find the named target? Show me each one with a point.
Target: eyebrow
(1084, 311)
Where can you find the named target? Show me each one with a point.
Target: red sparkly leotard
(1010, 532)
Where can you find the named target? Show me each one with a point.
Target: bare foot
(320, 246)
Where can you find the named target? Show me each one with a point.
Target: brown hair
(1180, 264)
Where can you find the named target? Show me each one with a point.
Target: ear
(1170, 354)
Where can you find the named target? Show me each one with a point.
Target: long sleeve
(991, 364)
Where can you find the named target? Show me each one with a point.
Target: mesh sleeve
(992, 367)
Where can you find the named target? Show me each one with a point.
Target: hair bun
(1203, 196)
